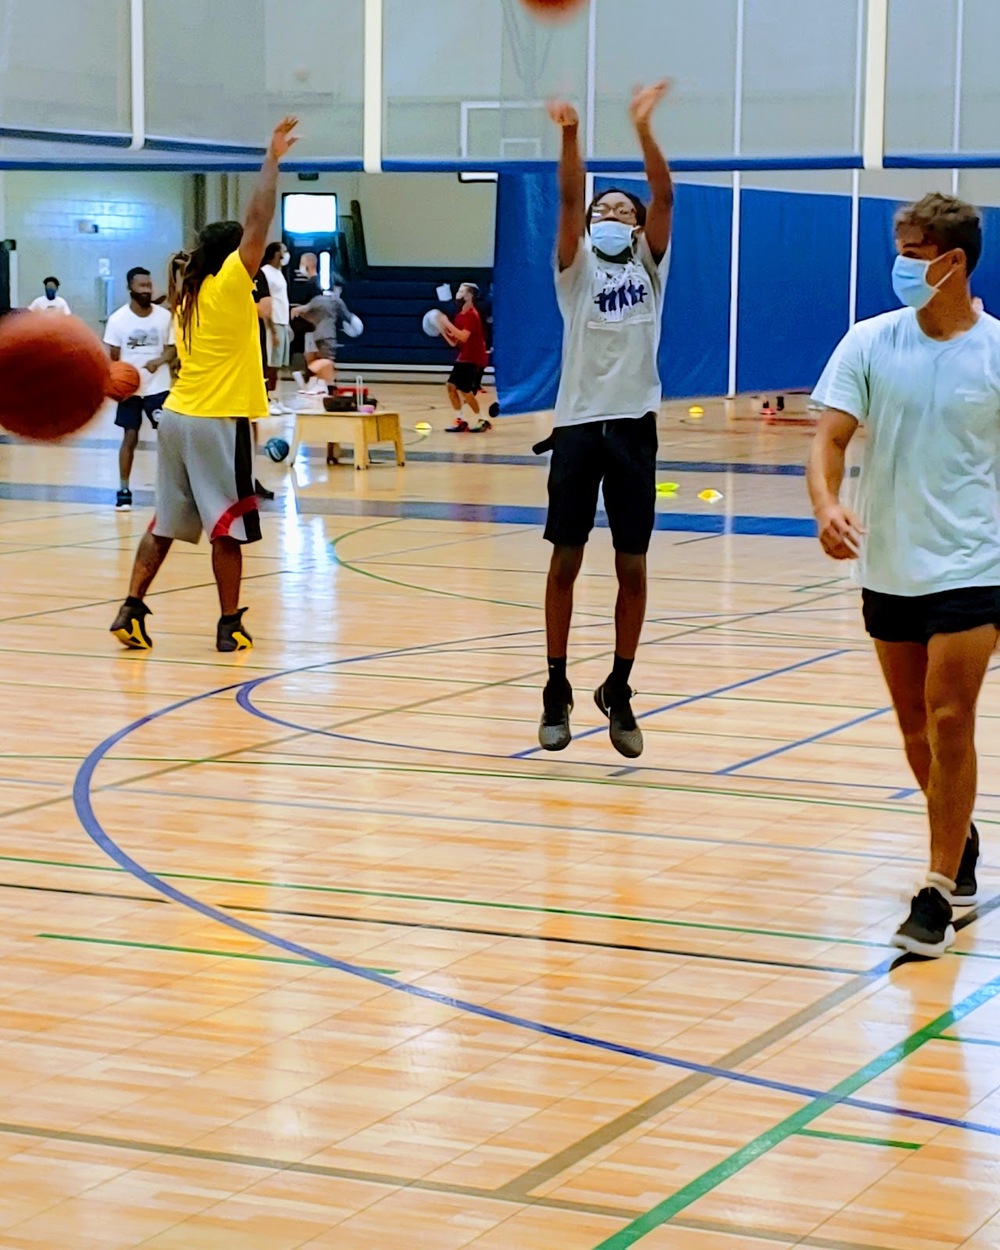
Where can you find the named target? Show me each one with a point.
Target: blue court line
(82, 787)
(909, 791)
(802, 742)
(698, 698)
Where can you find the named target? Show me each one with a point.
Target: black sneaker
(966, 891)
(231, 634)
(626, 736)
(129, 626)
(557, 703)
(928, 929)
(123, 503)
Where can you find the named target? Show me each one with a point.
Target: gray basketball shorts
(204, 479)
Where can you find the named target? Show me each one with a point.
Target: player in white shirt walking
(51, 301)
(140, 333)
(278, 323)
(924, 381)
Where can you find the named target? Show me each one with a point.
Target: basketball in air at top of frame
(554, 10)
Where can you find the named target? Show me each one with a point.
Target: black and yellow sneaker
(129, 626)
(231, 634)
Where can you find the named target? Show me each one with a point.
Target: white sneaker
(300, 380)
(318, 387)
(275, 409)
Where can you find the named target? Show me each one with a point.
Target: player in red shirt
(466, 333)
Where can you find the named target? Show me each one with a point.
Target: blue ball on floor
(277, 449)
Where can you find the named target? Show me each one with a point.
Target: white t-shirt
(611, 335)
(142, 339)
(44, 304)
(928, 495)
(277, 284)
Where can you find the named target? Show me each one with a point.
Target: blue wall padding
(527, 327)
(794, 286)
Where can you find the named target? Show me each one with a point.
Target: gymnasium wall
(141, 218)
(411, 219)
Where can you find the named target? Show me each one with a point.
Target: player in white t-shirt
(611, 270)
(278, 323)
(51, 301)
(924, 381)
(141, 333)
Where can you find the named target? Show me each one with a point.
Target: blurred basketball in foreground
(554, 10)
(123, 380)
(54, 374)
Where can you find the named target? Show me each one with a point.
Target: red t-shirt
(473, 350)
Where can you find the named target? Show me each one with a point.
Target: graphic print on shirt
(142, 338)
(622, 296)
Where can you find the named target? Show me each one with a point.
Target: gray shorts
(279, 346)
(204, 479)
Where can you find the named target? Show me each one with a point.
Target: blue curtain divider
(794, 286)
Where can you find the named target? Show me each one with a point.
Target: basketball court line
(94, 829)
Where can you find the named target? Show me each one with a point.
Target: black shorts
(622, 454)
(466, 377)
(917, 618)
(129, 414)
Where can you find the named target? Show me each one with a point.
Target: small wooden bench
(361, 429)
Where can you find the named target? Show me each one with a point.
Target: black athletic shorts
(466, 377)
(129, 414)
(917, 618)
(622, 455)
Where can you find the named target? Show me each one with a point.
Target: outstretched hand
(282, 139)
(645, 100)
(563, 113)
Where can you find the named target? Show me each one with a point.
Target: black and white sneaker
(123, 503)
(557, 703)
(927, 930)
(966, 891)
(626, 736)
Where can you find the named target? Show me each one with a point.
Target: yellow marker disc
(666, 488)
(696, 411)
(710, 496)
(423, 427)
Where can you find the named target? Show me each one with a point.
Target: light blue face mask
(909, 281)
(611, 238)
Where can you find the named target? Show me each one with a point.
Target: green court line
(861, 1141)
(458, 902)
(194, 950)
(970, 1041)
(715, 1176)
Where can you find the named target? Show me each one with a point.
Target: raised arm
(660, 217)
(572, 184)
(260, 211)
(839, 529)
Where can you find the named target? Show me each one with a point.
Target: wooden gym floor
(312, 947)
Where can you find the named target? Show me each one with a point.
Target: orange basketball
(554, 10)
(53, 374)
(123, 380)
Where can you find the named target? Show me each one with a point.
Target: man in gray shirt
(612, 260)
(327, 313)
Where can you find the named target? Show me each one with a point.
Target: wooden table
(360, 429)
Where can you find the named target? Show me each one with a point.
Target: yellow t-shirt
(221, 373)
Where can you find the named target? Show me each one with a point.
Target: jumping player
(140, 332)
(925, 382)
(205, 462)
(611, 269)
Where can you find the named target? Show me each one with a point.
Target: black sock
(232, 616)
(557, 668)
(620, 672)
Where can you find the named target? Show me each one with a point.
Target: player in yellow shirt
(204, 477)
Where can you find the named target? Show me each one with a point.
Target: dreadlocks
(215, 243)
